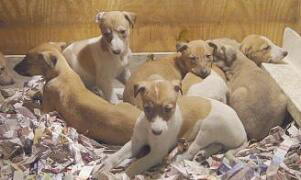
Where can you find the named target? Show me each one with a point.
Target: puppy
(254, 95)
(194, 57)
(65, 93)
(100, 60)
(260, 49)
(210, 124)
(6, 77)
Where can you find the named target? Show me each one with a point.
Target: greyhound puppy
(65, 93)
(6, 77)
(194, 57)
(100, 60)
(167, 116)
(254, 95)
(260, 49)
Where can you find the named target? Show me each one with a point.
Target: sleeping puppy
(260, 49)
(194, 57)
(254, 95)
(65, 93)
(100, 60)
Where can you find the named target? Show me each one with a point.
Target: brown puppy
(65, 92)
(6, 77)
(254, 95)
(260, 49)
(195, 57)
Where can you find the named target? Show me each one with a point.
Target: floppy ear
(139, 88)
(61, 45)
(177, 86)
(99, 16)
(131, 17)
(245, 49)
(212, 45)
(49, 59)
(181, 46)
(230, 54)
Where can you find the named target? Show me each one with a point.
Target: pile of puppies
(211, 93)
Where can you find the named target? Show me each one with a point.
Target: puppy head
(39, 61)
(115, 27)
(196, 57)
(262, 50)
(6, 77)
(223, 55)
(159, 99)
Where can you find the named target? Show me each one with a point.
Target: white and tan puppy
(100, 60)
(254, 95)
(194, 57)
(260, 49)
(210, 124)
(65, 93)
(6, 77)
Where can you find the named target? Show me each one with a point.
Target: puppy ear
(131, 17)
(181, 46)
(230, 54)
(99, 16)
(177, 86)
(212, 45)
(60, 45)
(49, 59)
(139, 88)
(245, 49)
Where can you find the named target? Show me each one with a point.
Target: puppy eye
(167, 109)
(267, 48)
(122, 32)
(208, 55)
(193, 60)
(147, 109)
(2, 68)
(107, 34)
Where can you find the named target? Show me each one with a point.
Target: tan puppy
(195, 57)
(65, 93)
(6, 78)
(210, 124)
(100, 60)
(260, 49)
(254, 95)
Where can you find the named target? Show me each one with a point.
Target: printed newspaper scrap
(41, 146)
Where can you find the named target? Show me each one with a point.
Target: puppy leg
(146, 162)
(130, 149)
(106, 85)
(202, 140)
(210, 150)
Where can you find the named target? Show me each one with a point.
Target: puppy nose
(157, 132)
(118, 51)
(284, 53)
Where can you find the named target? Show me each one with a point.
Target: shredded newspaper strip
(41, 146)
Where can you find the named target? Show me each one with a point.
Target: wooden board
(26, 23)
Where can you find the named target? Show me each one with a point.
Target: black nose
(284, 53)
(157, 132)
(117, 51)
